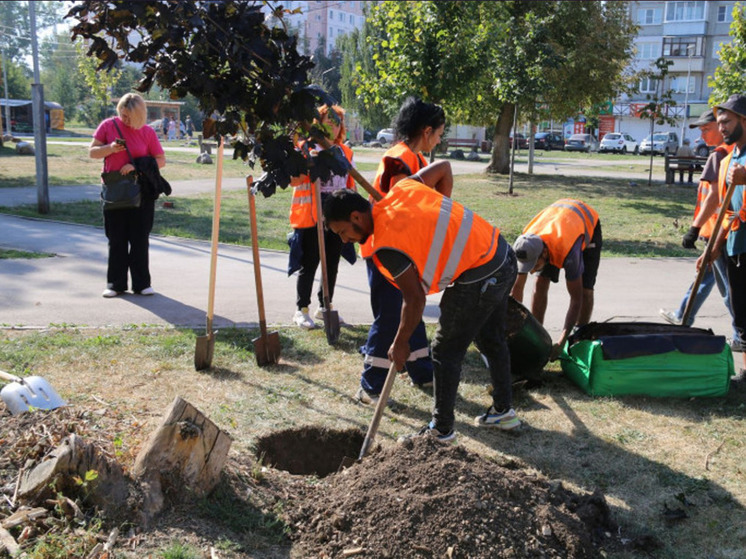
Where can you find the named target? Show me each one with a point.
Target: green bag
(120, 192)
(648, 359)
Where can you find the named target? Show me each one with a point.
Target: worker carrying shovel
(424, 243)
(565, 235)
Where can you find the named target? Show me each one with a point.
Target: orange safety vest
(415, 162)
(303, 205)
(723, 188)
(560, 225)
(702, 193)
(441, 237)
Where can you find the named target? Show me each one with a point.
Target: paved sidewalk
(67, 289)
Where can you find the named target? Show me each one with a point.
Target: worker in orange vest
(423, 242)
(565, 235)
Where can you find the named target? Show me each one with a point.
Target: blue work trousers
(386, 302)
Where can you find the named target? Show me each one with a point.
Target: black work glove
(690, 237)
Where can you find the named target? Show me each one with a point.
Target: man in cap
(705, 214)
(565, 235)
(731, 237)
(423, 242)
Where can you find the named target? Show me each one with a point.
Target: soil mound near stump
(425, 499)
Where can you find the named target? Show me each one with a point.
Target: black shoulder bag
(120, 192)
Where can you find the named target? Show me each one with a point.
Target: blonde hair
(134, 104)
(340, 113)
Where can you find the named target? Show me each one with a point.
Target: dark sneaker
(365, 397)
(432, 432)
(505, 421)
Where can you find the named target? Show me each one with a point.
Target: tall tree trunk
(500, 157)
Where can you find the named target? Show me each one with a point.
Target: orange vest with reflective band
(560, 225)
(303, 206)
(702, 192)
(728, 221)
(441, 237)
(413, 160)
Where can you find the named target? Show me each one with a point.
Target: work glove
(690, 237)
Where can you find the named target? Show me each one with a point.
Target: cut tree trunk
(187, 450)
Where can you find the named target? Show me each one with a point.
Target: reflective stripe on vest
(559, 226)
(447, 240)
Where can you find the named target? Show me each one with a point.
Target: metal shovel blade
(203, 350)
(331, 326)
(31, 392)
(267, 349)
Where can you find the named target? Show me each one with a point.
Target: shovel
(725, 202)
(22, 394)
(331, 318)
(266, 346)
(206, 344)
(380, 406)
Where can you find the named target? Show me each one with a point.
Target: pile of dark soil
(425, 499)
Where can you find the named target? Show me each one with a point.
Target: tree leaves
(247, 74)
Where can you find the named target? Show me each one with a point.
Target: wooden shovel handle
(215, 238)
(383, 399)
(8, 376)
(255, 252)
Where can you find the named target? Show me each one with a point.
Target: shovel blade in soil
(203, 351)
(267, 349)
(331, 326)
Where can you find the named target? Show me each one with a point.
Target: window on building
(723, 14)
(648, 51)
(331, 14)
(678, 46)
(679, 85)
(685, 11)
(649, 16)
(648, 85)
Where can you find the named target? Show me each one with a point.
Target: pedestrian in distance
(164, 127)
(731, 237)
(304, 241)
(419, 126)
(705, 214)
(565, 235)
(128, 230)
(423, 242)
(685, 150)
(172, 129)
(189, 126)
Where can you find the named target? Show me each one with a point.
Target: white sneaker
(147, 291)
(505, 421)
(670, 317)
(303, 319)
(109, 293)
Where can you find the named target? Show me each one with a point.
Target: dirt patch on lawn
(417, 499)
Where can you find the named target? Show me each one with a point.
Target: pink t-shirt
(141, 142)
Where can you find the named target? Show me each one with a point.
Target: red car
(522, 141)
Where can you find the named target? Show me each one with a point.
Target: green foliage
(19, 82)
(730, 76)
(15, 25)
(178, 550)
(98, 106)
(655, 109)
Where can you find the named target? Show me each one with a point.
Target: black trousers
(737, 285)
(310, 263)
(128, 232)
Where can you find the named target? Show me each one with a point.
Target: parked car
(701, 148)
(661, 143)
(521, 139)
(617, 142)
(581, 142)
(548, 141)
(386, 135)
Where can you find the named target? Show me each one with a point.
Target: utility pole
(40, 125)
(690, 51)
(7, 105)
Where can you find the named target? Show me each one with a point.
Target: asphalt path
(66, 288)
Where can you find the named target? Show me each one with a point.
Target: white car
(616, 142)
(385, 136)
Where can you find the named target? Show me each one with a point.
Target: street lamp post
(690, 51)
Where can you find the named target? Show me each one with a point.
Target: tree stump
(187, 450)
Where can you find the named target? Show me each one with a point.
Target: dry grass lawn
(649, 456)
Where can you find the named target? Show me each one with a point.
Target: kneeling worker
(424, 243)
(566, 235)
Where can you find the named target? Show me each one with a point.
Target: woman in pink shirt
(128, 230)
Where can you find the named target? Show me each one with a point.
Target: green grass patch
(10, 254)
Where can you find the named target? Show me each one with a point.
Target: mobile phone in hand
(120, 141)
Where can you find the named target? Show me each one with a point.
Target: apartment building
(320, 23)
(687, 33)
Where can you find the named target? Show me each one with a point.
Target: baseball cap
(527, 249)
(706, 117)
(735, 104)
